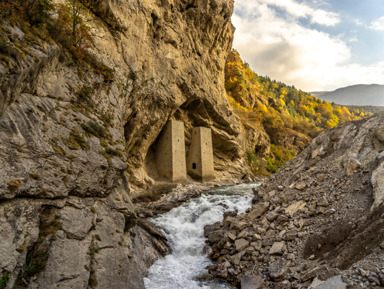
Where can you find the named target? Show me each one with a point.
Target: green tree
(80, 32)
(71, 30)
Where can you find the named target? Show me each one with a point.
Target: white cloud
(358, 22)
(378, 24)
(287, 51)
(302, 10)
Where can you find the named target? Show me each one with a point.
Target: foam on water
(184, 228)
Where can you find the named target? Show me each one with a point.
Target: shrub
(257, 164)
(36, 11)
(92, 281)
(271, 165)
(14, 185)
(84, 95)
(72, 33)
(35, 176)
(133, 75)
(4, 280)
(279, 157)
(95, 129)
(7, 49)
(6, 8)
(76, 141)
(70, 29)
(114, 152)
(100, 68)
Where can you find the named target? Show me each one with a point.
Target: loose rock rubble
(319, 217)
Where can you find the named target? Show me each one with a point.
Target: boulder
(258, 210)
(277, 248)
(252, 282)
(232, 236)
(312, 273)
(332, 283)
(235, 259)
(295, 207)
(272, 216)
(278, 269)
(241, 244)
(317, 151)
(377, 181)
(351, 165)
(215, 236)
(301, 186)
(291, 235)
(209, 229)
(379, 133)
(238, 225)
(323, 202)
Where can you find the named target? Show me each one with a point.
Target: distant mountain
(360, 95)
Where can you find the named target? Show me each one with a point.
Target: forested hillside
(290, 117)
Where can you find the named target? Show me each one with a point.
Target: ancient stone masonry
(170, 152)
(200, 156)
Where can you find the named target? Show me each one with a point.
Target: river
(184, 228)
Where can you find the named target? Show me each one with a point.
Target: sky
(315, 45)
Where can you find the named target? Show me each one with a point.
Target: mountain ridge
(358, 95)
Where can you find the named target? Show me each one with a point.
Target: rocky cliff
(320, 216)
(77, 145)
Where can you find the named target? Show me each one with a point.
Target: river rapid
(184, 228)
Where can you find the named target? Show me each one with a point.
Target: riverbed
(184, 228)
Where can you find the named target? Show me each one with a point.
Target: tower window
(194, 166)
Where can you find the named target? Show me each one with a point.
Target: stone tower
(200, 155)
(170, 152)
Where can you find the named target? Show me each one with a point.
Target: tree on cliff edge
(70, 22)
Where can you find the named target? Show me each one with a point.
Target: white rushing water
(184, 228)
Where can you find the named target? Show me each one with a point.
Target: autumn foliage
(280, 110)
(71, 30)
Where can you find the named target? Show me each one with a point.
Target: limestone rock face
(168, 59)
(76, 145)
